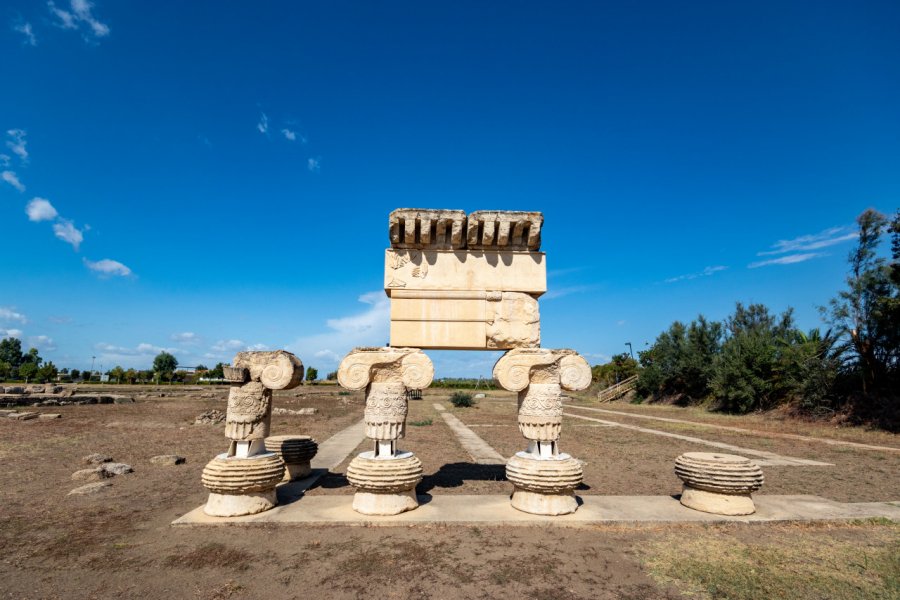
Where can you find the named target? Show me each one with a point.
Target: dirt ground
(119, 542)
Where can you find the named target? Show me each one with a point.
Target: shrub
(422, 423)
(462, 400)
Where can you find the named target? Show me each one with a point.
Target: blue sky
(216, 176)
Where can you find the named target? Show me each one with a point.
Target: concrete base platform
(495, 510)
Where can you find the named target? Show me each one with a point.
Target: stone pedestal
(385, 478)
(242, 480)
(716, 483)
(385, 486)
(296, 451)
(544, 479)
(544, 486)
(241, 486)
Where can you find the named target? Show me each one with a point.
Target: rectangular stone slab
(470, 320)
(465, 270)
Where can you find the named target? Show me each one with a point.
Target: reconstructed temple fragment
(718, 483)
(467, 283)
(242, 480)
(385, 478)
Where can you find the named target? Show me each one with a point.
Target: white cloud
(9, 314)
(258, 347)
(67, 232)
(25, 29)
(108, 268)
(40, 209)
(17, 143)
(704, 273)
(227, 346)
(42, 343)
(12, 179)
(79, 14)
(816, 241)
(289, 135)
(787, 260)
(13, 333)
(314, 165)
(367, 328)
(559, 292)
(263, 125)
(186, 337)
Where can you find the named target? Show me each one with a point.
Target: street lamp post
(91, 376)
(630, 350)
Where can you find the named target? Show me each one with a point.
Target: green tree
(200, 368)
(32, 356)
(76, 374)
(809, 367)
(332, 376)
(117, 373)
(164, 365)
(216, 372)
(311, 374)
(131, 376)
(620, 367)
(747, 371)
(862, 315)
(5, 370)
(28, 370)
(47, 372)
(11, 352)
(681, 362)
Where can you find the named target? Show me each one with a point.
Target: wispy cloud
(559, 292)
(816, 241)
(367, 328)
(314, 165)
(704, 273)
(787, 260)
(10, 333)
(288, 134)
(42, 343)
(12, 179)
(25, 30)
(258, 347)
(17, 143)
(228, 346)
(186, 337)
(79, 16)
(67, 232)
(108, 268)
(10, 314)
(263, 124)
(40, 209)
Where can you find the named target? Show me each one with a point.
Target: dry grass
(848, 562)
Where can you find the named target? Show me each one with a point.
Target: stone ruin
(454, 282)
(465, 283)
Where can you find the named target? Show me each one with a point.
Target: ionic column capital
(362, 366)
(520, 367)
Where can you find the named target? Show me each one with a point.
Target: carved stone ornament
(522, 366)
(718, 483)
(253, 376)
(408, 366)
(427, 228)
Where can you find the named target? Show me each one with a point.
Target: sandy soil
(119, 543)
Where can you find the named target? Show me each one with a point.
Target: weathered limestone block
(249, 414)
(544, 486)
(504, 229)
(539, 375)
(465, 270)
(296, 451)
(385, 374)
(384, 486)
(427, 228)
(253, 376)
(476, 320)
(718, 483)
(241, 486)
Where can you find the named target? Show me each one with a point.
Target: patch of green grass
(343, 393)
(791, 564)
(422, 423)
